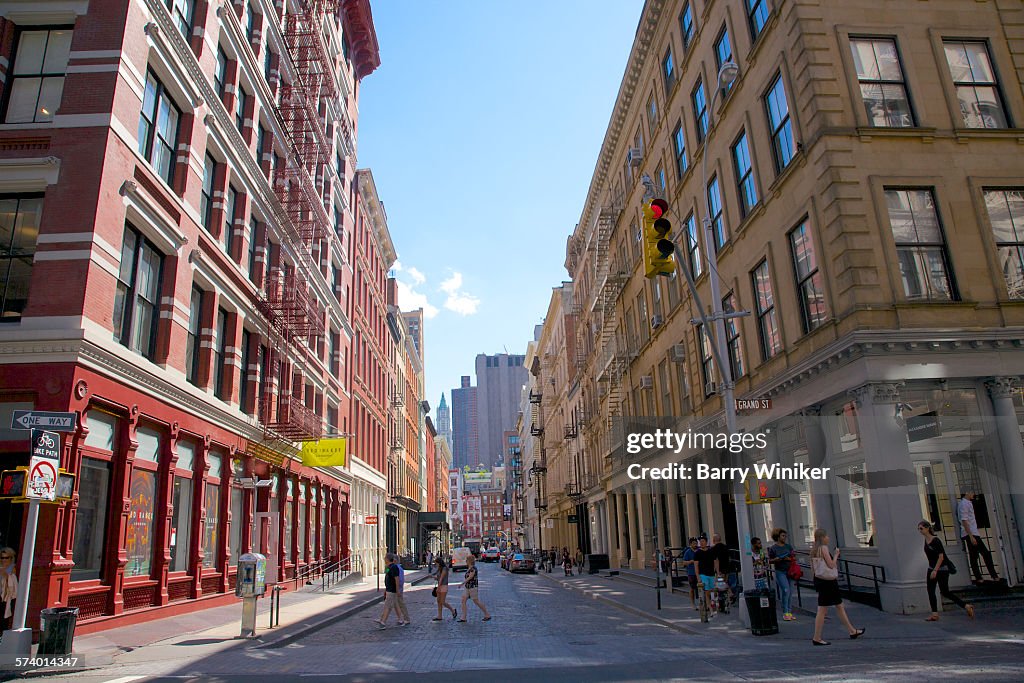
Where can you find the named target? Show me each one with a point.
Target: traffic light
(762, 490)
(658, 249)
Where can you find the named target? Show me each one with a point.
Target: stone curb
(624, 607)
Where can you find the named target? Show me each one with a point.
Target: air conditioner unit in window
(657, 320)
(710, 388)
(646, 382)
(678, 353)
(634, 155)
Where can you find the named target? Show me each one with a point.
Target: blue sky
(482, 127)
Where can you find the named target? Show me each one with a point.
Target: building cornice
(363, 43)
(378, 219)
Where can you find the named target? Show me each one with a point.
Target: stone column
(631, 526)
(692, 501)
(675, 535)
(822, 496)
(618, 539)
(1001, 390)
(895, 507)
(645, 545)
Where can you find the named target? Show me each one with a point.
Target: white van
(459, 556)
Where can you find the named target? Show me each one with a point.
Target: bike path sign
(44, 466)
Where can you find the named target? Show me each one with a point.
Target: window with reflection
(882, 88)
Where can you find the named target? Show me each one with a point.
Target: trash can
(761, 608)
(57, 630)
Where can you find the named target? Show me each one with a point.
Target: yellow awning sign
(324, 453)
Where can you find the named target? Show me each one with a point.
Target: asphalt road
(543, 632)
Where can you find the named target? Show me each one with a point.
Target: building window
(1006, 214)
(195, 325)
(19, 230)
(158, 128)
(181, 13)
(137, 297)
(692, 245)
(220, 355)
(220, 72)
(679, 149)
(662, 181)
(717, 219)
(250, 22)
(920, 245)
(732, 337)
(240, 103)
(668, 72)
(723, 54)
(779, 124)
(744, 175)
(237, 512)
(652, 114)
(977, 87)
(686, 25)
(757, 14)
(94, 477)
(808, 279)
(243, 383)
(181, 507)
(254, 249)
(231, 202)
(707, 362)
(142, 493)
(268, 64)
(700, 111)
(211, 535)
(206, 199)
(261, 141)
(882, 88)
(767, 321)
(37, 75)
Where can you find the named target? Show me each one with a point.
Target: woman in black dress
(826, 582)
(938, 571)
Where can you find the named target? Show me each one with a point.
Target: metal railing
(327, 573)
(859, 581)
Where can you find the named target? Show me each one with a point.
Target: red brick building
(176, 192)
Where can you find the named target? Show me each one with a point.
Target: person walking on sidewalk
(579, 561)
(760, 562)
(471, 586)
(403, 611)
(441, 590)
(781, 556)
(430, 561)
(707, 569)
(552, 559)
(690, 562)
(566, 562)
(971, 540)
(390, 591)
(826, 582)
(938, 571)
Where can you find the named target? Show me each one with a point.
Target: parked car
(491, 555)
(522, 563)
(459, 556)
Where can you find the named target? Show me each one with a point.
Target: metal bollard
(275, 599)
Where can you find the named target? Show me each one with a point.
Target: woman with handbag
(939, 569)
(8, 587)
(441, 589)
(783, 560)
(826, 582)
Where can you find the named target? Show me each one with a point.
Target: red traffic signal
(659, 207)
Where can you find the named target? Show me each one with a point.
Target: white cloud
(458, 301)
(409, 300)
(418, 277)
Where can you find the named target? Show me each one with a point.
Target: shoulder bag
(823, 571)
(794, 572)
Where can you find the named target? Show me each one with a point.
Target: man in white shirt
(969, 535)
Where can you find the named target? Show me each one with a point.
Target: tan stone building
(866, 191)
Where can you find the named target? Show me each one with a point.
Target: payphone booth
(251, 584)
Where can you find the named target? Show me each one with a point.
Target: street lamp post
(726, 75)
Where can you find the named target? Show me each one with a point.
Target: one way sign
(37, 419)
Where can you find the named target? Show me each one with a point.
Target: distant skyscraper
(444, 423)
(465, 428)
(414, 319)
(499, 379)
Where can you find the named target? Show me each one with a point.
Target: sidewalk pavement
(677, 613)
(211, 630)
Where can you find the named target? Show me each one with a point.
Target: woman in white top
(826, 582)
(8, 586)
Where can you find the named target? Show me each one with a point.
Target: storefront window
(287, 518)
(858, 521)
(91, 518)
(181, 507)
(211, 535)
(302, 522)
(235, 539)
(139, 539)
